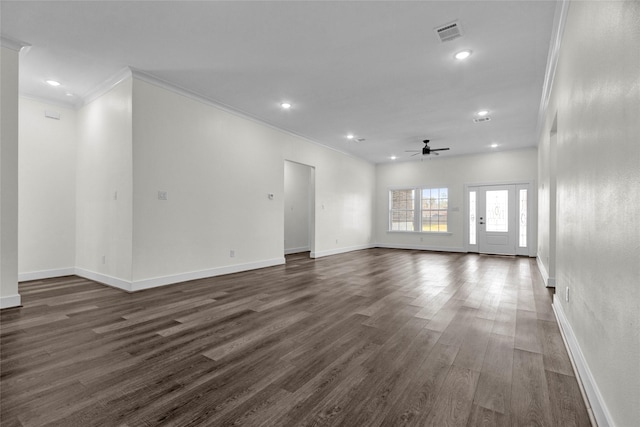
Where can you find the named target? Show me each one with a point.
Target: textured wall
(596, 96)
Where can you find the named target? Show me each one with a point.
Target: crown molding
(104, 87)
(130, 72)
(559, 21)
(13, 44)
(48, 101)
(172, 87)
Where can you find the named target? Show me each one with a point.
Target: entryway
(497, 219)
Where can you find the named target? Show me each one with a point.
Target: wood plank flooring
(378, 337)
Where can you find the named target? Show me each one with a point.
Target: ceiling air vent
(449, 31)
(482, 119)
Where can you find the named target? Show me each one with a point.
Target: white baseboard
(549, 282)
(46, 274)
(595, 403)
(296, 250)
(419, 247)
(139, 285)
(104, 279)
(320, 254)
(10, 301)
(155, 282)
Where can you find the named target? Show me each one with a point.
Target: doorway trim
(531, 248)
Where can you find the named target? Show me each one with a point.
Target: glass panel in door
(497, 204)
(496, 223)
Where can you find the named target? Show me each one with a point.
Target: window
(402, 214)
(472, 217)
(419, 209)
(522, 240)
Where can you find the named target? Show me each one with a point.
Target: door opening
(299, 208)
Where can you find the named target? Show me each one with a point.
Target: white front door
(497, 221)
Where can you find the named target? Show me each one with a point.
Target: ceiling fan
(426, 150)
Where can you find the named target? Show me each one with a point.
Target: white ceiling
(375, 69)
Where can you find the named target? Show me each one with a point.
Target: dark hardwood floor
(378, 337)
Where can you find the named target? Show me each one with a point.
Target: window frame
(418, 210)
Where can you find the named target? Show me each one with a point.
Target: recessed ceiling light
(350, 136)
(53, 83)
(69, 94)
(494, 145)
(482, 113)
(393, 157)
(286, 105)
(463, 54)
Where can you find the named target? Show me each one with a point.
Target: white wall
(9, 296)
(547, 209)
(104, 167)
(596, 96)
(344, 197)
(453, 173)
(80, 212)
(544, 213)
(47, 202)
(218, 169)
(297, 193)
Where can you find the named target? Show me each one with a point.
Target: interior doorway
(498, 219)
(299, 208)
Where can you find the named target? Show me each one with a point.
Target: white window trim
(418, 208)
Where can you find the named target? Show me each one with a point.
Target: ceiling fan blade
(412, 151)
(434, 153)
(414, 154)
(439, 149)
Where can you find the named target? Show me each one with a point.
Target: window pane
(472, 217)
(402, 199)
(523, 219)
(434, 204)
(426, 221)
(401, 209)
